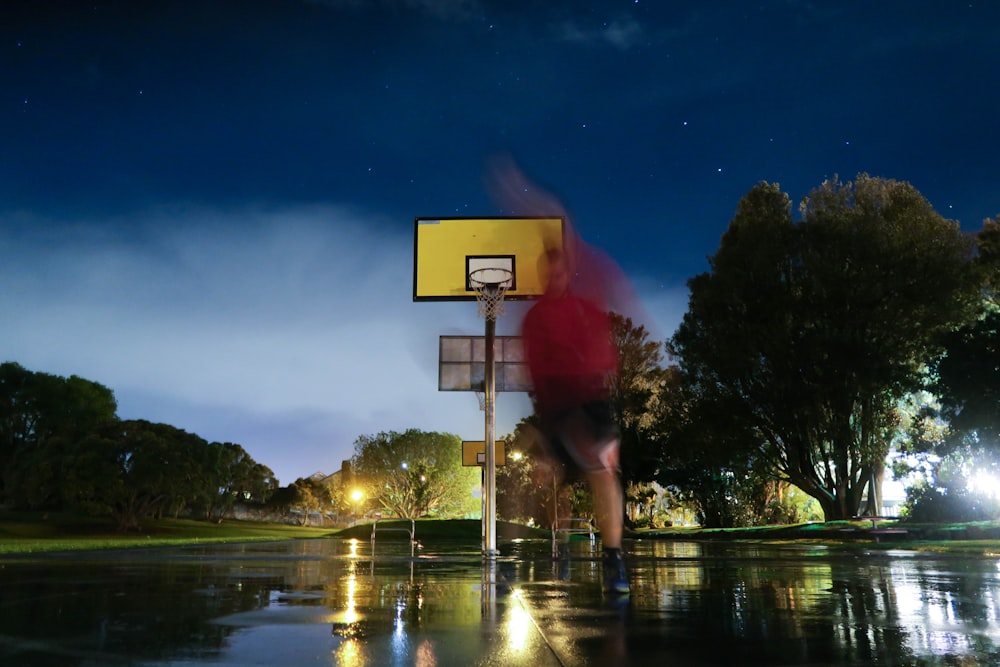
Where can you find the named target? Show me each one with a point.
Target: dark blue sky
(208, 206)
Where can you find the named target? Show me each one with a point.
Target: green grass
(35, 532)
(977, 537)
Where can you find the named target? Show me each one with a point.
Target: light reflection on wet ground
(334, 602)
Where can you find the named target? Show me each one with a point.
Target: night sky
(208, 206)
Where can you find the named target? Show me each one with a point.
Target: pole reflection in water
(488, 588)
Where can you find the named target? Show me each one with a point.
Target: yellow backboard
(474, 452)
(446, 250)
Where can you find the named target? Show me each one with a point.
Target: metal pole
(490, 477)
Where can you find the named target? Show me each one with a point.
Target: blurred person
(573, 359)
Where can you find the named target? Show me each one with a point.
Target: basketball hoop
(490, 285)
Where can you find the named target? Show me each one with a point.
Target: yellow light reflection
(425, 656)
(350, 613)
(349, 654)
(518, 623)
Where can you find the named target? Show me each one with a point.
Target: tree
(636, 396)
(706, 463)
(43, 418)
(229, 474)
(132, 471)
(967, 380)
(415, 473)
(956, 434)
(804, 336)
(303, 496)
(528, 488)
(967, 377)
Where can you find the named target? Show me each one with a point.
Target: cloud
(285, 330)
(290, 331)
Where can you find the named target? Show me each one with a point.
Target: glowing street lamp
(357, 495)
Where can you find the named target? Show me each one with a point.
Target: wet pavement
(345, 602)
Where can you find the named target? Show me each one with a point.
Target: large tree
(305, 496)
(967, 377)
(705, 461)
(805, 335)
(227, 475)
(636, 395)
(43, 419)
(134, 470)
(415, 473)
(956, 436)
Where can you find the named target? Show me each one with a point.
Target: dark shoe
(615, 576)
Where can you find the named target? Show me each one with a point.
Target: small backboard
(462, 364)
(447, 250)
(474, 452)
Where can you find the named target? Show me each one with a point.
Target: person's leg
(608, 508)
(608, 505)
(588, 434)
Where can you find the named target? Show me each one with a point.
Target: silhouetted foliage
(135, 470)
(636, 396)
(43, 420)
(535, 489)
(63, 446)
(804, 336)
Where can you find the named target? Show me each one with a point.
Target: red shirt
(570, 351)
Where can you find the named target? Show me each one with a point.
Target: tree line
(62, 446)
(816, 354)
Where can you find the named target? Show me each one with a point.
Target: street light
(357, 495)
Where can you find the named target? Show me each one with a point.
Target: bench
(877, 532)
(874, 519)
(409, 531)
(579, 526)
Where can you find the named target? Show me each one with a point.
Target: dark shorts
(584, 438)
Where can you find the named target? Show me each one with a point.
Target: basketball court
(354, 603)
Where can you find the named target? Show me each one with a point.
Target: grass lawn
(975, 537)
(35, 532)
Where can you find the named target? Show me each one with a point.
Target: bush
(660, 520)
(927, 504)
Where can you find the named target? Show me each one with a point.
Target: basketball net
(490, 285)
